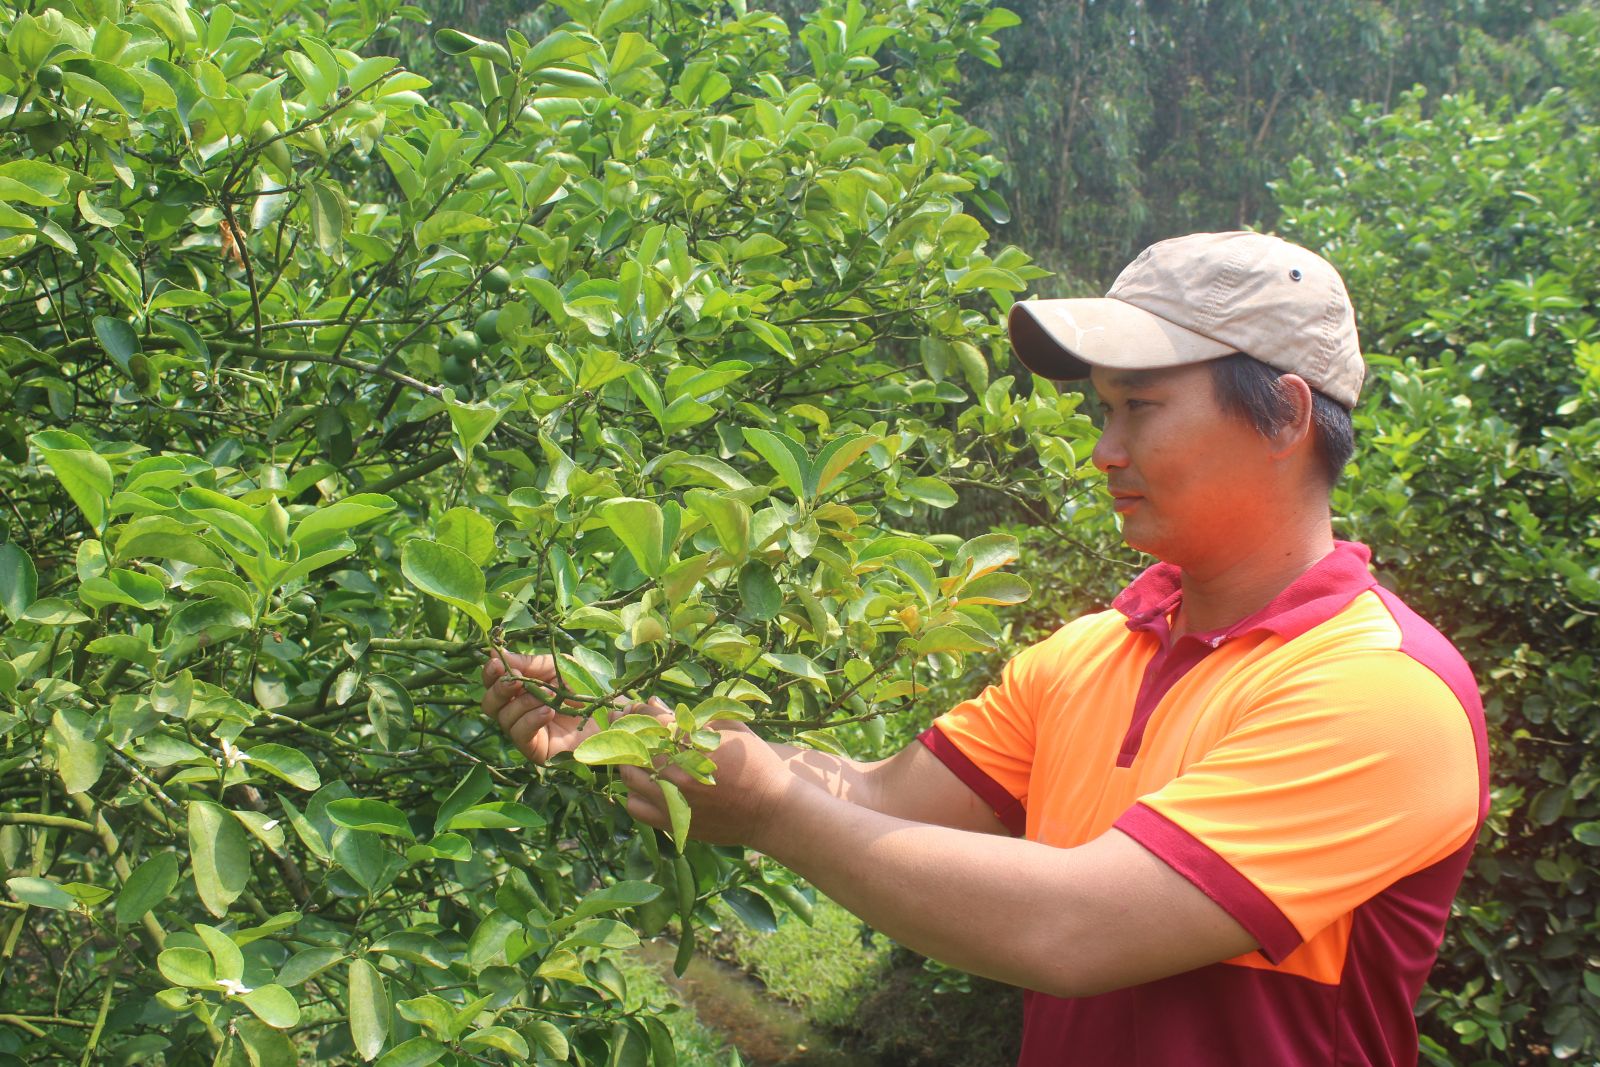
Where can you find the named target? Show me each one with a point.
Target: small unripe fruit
(464, 346)
(487, 327)
(497, 280)
(457, 371)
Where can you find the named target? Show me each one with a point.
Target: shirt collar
(1311, 599)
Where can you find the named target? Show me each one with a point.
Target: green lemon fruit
(457, 371)
(464, 346)
(497, 280)
(487, 326)
(49, 78)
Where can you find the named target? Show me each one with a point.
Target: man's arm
(913, 784)
(1069, 922)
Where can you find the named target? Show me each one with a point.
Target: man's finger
(522, 731)
(520, 706)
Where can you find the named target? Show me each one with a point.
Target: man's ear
(1296, 433)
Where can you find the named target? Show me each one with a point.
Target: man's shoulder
(1378, 623)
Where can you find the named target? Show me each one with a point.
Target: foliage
(1123, 123)
(1468, 238)
(657, 346)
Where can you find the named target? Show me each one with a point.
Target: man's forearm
(838, 776)
(1051, 919)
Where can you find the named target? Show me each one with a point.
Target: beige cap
(1195, 298)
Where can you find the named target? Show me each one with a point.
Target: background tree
(1124, 122)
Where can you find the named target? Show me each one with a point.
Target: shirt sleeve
(988, 741)
(1332, 786)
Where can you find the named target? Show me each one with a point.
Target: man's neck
(1221, 592)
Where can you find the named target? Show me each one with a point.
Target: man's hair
(1250, 389)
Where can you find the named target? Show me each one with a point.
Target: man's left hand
(741, 807)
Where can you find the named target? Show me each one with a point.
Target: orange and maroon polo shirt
(1319, 769)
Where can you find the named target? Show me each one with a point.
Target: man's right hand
(519, 706)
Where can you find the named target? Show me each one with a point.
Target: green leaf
(330, 217)
(995, 589)
(639, 525)
(273, 1005)
(53, 611)
(290, 764)
(759, 592)
(226, 959)
(192, 968)
(616, 897)
(83, 473)
(931, 491)
(988, 278)
(948, 639)
(307, 964)
(678, 812)
(468, 532)
(774, 336)
(988, 552)
(121, 343)
(149, 884)
(19, 582)
(220, 854)
(496, 815)
(456, 43)
(729, 518)
(446, 573)
(471, 789)
(134, 589)
(389, 708)
(237, 520)
(264, 1046)
(550, 1039)
(41, 893)
(502, 1038)
(341, 517)
(368, 1007)
(799, 666)
(451, 223)
(1587, 833)
(374, 816)
(836, 457)
(614, 14)
(612, 747)
(556, 48)
(783, 456)
(75, 749)
(475, 421)
(752, 909)
(417, 1052)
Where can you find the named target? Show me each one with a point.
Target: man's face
(1189, 480)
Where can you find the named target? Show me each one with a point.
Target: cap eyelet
(1294, 274)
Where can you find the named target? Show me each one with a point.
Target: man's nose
(1109, 451)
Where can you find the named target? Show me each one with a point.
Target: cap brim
(1066, 339)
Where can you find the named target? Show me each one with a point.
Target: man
(1246, 793)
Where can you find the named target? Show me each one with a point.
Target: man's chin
(1140, 539)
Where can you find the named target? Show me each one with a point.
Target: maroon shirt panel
(1005, 806)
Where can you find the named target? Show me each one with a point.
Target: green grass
(824, 969)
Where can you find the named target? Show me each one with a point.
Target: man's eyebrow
(1131, 379)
